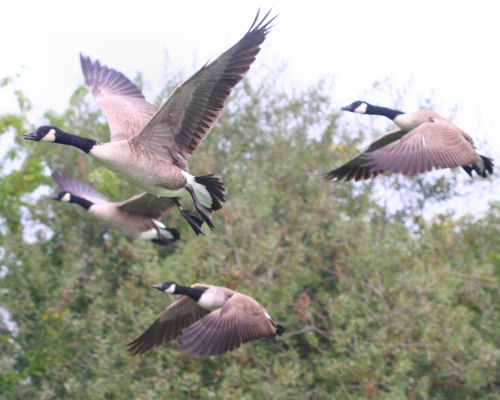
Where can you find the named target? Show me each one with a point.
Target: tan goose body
(208, 319)
(150, 147)
(152, 174)
(424, 141)
(132, 225)
(135, 217)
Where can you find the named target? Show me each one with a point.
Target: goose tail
(280, 329)
(166, 236)
(212, 185)
(171, 234)
(482, 167)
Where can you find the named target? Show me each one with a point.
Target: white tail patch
(165, 232)
(159, 224)
(148, 235)
(153, 233)
(201, 191)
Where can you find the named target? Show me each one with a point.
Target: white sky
(444, 50)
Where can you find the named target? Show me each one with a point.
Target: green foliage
(372, 308)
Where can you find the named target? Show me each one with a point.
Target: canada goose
(149, 147)
(236, 319)
(424, 141)
(135, 217)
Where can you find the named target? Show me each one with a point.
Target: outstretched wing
(190, 112)
(78, 188)
(147, 204)
(240, 320)
(356, 167)
(169, 324)
(438, 144)
(121, 100)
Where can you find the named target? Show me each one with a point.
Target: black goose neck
(195, 294)
(385, 111)
(81, 201)
(82, 143)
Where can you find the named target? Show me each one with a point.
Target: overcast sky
(447, 51)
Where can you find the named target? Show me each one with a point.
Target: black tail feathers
(216, 189)
(482, 167)
(279, 329)
(175, 234)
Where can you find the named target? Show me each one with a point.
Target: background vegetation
(376, 304)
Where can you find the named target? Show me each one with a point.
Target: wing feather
(189, 114)
(169, 324)
(438, 144)
(355, 167)
(147, 204)
(240, 320)
(78, 188)
(118, 97)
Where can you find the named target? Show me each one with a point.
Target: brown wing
(240, 320)
(121, 100)
(190, 112)
(355, 168)
(181, 313)
(438, 144)
(147, 204)
(78, 188)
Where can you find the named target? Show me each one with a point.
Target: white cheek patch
(171, 289)
(66, 197)
(361, 109)
(50, 136)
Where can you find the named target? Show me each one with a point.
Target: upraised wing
(189, 114)
(147, 204)
(121, 100)
(78, 188)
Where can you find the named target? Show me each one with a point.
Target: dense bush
(376, 305)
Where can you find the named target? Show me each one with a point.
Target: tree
(372, 307)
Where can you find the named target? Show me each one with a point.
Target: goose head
(63, 196)
(166, 286)
(358, 107)
(45, 133)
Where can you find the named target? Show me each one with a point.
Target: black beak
(346, 108)
(30, 136)
(159, 287)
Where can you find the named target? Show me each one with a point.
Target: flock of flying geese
(149, 148)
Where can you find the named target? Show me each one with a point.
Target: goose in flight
(135, 217)
(423, 141)
(209, 320)
(149, 148)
